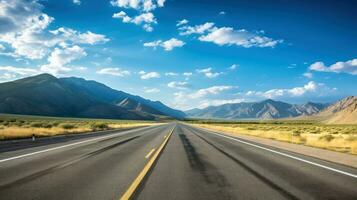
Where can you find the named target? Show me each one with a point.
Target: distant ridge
(267, 109)
(343, 111)
(47, 95)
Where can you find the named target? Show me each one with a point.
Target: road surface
(170, 161)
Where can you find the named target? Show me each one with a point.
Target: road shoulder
(331, 156)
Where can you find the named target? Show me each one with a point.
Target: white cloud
(77, 2)
(114, 71)
(222, 13)
(23, 26)
(308, 75)
(187, 74)
(202, 97)
(211, 90)
(233, 67)
(145, 7)
(178, 85)
(349, 67)
(144, 19)
(167, 45)
(182, 22)
(140, 5)
(198, 29)
(311, 87)
(152, 90)
(8, 73)
(208, 72)
(18, 70)
(171, 74)
(229, 36)
(149, 75)
(59, 58)
(66, 34)
(217, 102)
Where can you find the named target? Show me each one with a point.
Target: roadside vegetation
(20, 126)
(342, 138)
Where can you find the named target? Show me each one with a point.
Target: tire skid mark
(52, 169)
(249, 169)
(210, 174)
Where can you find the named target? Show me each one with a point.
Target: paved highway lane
(98, 169)
(152, 163)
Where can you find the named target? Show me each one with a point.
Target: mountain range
(47, 95)
(267, 109)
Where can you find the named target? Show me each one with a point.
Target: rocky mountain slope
(341, 112)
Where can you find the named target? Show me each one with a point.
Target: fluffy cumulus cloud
(167, 45)
(349, 67)
(309, 88)
(208, 72)
(114, 71)
(145, 17)
(60, 58)
(23, 31)
(198, 29)
(208, 32)
(178, 85)
(149, 75)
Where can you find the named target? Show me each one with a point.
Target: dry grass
(342, 138)
(16, 127)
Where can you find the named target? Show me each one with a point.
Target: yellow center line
(128, 194)
(149, 154)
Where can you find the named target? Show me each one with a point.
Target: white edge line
(72, 144)
(286, 155)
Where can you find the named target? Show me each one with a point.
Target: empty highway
(169, 161)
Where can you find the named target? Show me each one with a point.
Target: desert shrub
(296, 133)
(99, 126)
(41, 125)
(68, 126)
(327, 137)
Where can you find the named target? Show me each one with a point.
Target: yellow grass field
(341, 138)
(16, 126)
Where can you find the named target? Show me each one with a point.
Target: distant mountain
(267, 109)
(343, 111)
(74, 97)
(104, 93)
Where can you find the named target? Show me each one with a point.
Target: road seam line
(149, 154)
(286, 155)
(133, 187)
(68, 145)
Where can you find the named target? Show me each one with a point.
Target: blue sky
(188, 53)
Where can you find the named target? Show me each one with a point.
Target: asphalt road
(172, 161)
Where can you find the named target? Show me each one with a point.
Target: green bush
(99, 126)
(68, 126)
